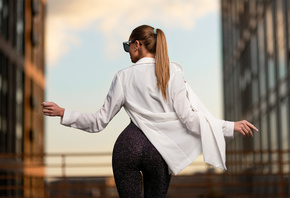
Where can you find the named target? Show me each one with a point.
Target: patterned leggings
(133, 157)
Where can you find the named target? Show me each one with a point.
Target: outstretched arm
(188, 115)
(90, 122)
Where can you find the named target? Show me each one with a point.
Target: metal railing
(69, 175)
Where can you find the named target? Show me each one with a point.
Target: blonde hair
(154, 41)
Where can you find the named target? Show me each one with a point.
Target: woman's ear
(137, 43)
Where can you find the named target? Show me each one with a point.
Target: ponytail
(155, 42)
(162, 63)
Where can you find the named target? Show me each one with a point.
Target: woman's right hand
(52, 109)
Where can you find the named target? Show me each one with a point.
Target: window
(261, 48)
(254, 68)
(20, 27)
(4, 18)
(274, 140)
(4, 102)
(1, 95)
(284, 115)
(254, 58)
(273, 128)
(245, 80)
(281, 39)
(264, 134)
(288, 16)
(257, 143)
(0, 89)
(252, 8)
(237, 93)
(255, 91)
(19, 111)
(270, 46)
(271, 73)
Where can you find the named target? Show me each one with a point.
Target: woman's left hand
(245, 128)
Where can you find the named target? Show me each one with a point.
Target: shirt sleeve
(186, 113)
(95, 122)
(228, 128)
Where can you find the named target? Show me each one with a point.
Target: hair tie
(154, 31)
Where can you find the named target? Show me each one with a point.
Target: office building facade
(21, 93)
(256, 62)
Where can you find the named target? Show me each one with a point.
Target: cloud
(115, 19)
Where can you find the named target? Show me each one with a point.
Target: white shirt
(175, 127)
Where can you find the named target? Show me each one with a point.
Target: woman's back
(140, 88)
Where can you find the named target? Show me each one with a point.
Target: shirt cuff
(68, 117)
(229, 129)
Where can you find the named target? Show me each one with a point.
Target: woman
(167, 131)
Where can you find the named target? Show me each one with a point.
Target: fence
(90, 175)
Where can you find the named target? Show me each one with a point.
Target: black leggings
(133, 157)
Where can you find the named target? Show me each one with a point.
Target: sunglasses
(126, 45)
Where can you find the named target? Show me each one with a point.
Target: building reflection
(21, 92)
(256, 54)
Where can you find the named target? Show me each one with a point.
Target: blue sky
(84, 51)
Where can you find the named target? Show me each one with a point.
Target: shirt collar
(145, 60)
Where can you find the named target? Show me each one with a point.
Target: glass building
(256, 71)
(21, 93)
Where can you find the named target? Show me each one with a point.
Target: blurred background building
(256, 55)
(21, 93)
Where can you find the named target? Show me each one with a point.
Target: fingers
(47, 112)
(49, 108)
(243, 131)
(47, 104)
(251, 125)
(245, 128)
